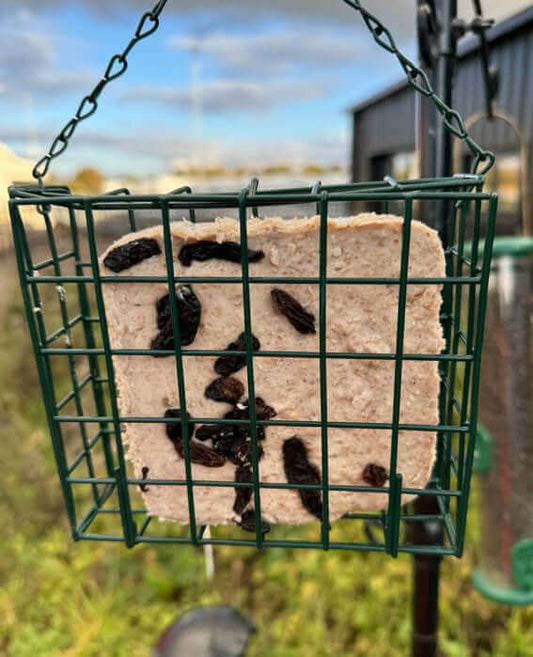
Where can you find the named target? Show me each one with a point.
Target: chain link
(149, 23)
(117, 66)
(418, 80)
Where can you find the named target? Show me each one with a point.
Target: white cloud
(318, 33)
(274, 51)
(321, 149)
(28, 56)
(334, 10)
(399, 15)
(148, 150)
(231, 95)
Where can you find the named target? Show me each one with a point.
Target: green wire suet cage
(62, 290)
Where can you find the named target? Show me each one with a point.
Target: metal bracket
(477, 25)
(428, 32)
(491, 76)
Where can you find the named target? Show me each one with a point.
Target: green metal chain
(419, 81)
(149, 23)
(117, 66)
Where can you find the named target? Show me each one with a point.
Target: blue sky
(267, 81)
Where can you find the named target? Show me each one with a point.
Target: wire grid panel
(62, 288)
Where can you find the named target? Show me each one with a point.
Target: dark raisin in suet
(201, 454)
(248, 522)
(243, 454)
(225, 389)
(207, 250)
(302, 320)
(262, 410)
(173, 429)
(227, 444)
(232, 251)
(132, 253)
(241, 412)
(375, 475)
(236, 448)
(214, 432)
(189, 313)
(226, 365)
(201, 251)
(299, 470)
(243, 494)
(144, 471)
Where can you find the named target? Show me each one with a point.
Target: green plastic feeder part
(522, 565)
(483, 451)
(522, 569)
(514, 247)
(522, 551)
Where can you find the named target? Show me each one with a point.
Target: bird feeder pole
(435, 150)
(445, 67)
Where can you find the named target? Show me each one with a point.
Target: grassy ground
(92, 599)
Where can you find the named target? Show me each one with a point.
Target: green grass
(59, 598)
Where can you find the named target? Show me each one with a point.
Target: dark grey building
(384, 126)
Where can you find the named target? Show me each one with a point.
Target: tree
(88, 181)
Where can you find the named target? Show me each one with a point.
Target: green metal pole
(427, 567)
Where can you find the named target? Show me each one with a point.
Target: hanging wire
(149, 23)
(419, 81)
(117, 66)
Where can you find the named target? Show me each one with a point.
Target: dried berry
(189, 313)
(174, 428)
(262, 410)
(131, 253)
(207, 250)
(248, 522)
(226, 365)
(299, 470)
(227, 444)
(225, 389)
(201, 454)
(214, 432)
(231, 441)
(375, 475)
(237, 448)
(241, 412)
(243, 494)
(144, 470)
(243, 454)
(303, 321)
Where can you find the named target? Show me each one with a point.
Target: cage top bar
(389, 186)
(219, 201)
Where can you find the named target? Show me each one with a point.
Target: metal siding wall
(513, 59)
(526, 100)
(357, 162)
(388, 126)
(506, 66)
